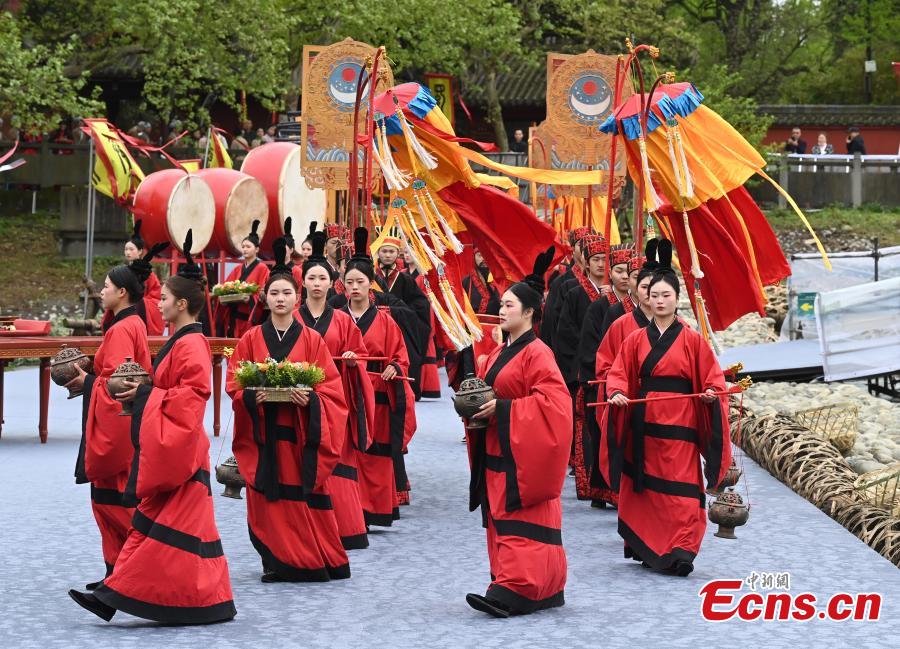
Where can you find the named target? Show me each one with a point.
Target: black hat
(279, 251)
(253, 237)
(288, 237)
(189, 269)
(136, 239)
(530, 290)
(317, 256)
(142, 267)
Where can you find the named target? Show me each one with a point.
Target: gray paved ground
(408, 588)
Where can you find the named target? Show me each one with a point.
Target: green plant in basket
(235, 287)
(250, 374)
(275, 374)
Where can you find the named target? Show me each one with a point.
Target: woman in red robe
(233, 320)
(287, 451)
(172, 568)
(148, 308)
(662, 506)
(382, 469)
(344, 340)
(105, 453)
(519, 461)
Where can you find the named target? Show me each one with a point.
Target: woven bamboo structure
(811, 466)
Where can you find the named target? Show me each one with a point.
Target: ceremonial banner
(330, 78)
(441, 87)
(579, 97)
(218, 152)
(116, 174)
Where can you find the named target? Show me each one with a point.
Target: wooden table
(46, 347)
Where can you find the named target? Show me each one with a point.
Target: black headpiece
(317, 256)
(136, 239)
(189, 269)
(530, 290)
(142, 267)
(253, 237)
(288, 237)
(279, 250)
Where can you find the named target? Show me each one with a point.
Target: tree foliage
(34, 92)
(191, 53)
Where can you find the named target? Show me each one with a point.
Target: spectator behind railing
(795, 144)
(822, 147)
(855, 143)
(62, 137)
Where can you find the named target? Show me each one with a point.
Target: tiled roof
(832, 115)
(523, 85)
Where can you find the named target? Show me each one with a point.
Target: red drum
(277, 166)
(240, 200)
(170, 202)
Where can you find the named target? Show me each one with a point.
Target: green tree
(33, 88)
(190, 53)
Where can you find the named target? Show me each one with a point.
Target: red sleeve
(402, 393)
(243, 352)
(358, 390)
(326, 418)
(536, 430)
(167, 426)
(712, 418)
(107, 448)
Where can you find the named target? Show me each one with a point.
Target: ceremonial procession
(388, 373)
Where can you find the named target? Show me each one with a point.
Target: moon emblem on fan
(342, 84)
(590, 99)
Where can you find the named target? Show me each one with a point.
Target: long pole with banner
(89, 238)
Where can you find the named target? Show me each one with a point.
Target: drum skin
(171, 201)
(277, 166)
(240, 199)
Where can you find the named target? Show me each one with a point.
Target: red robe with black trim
(342, 335)
(662, 506)
(518, 469)
(431, 382)
(104, 457)
(286, 455)
(235, 319)
(172, 567)
(382, 469)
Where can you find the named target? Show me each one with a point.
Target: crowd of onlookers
(796, 144)
(68, 132)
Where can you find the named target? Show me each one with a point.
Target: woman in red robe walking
(662, 514)
(344, 340)
(235, 319)
(382, 469)
(172, 568)
(105, 453)
(287, 451)
(519, 461)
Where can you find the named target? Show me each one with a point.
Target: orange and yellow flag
(116, 174)
(218, 152)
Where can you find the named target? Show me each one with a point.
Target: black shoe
(94, 585)
(270, 578)
(571, 471)
(94, 605)
(683, 568)
(490, 606)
